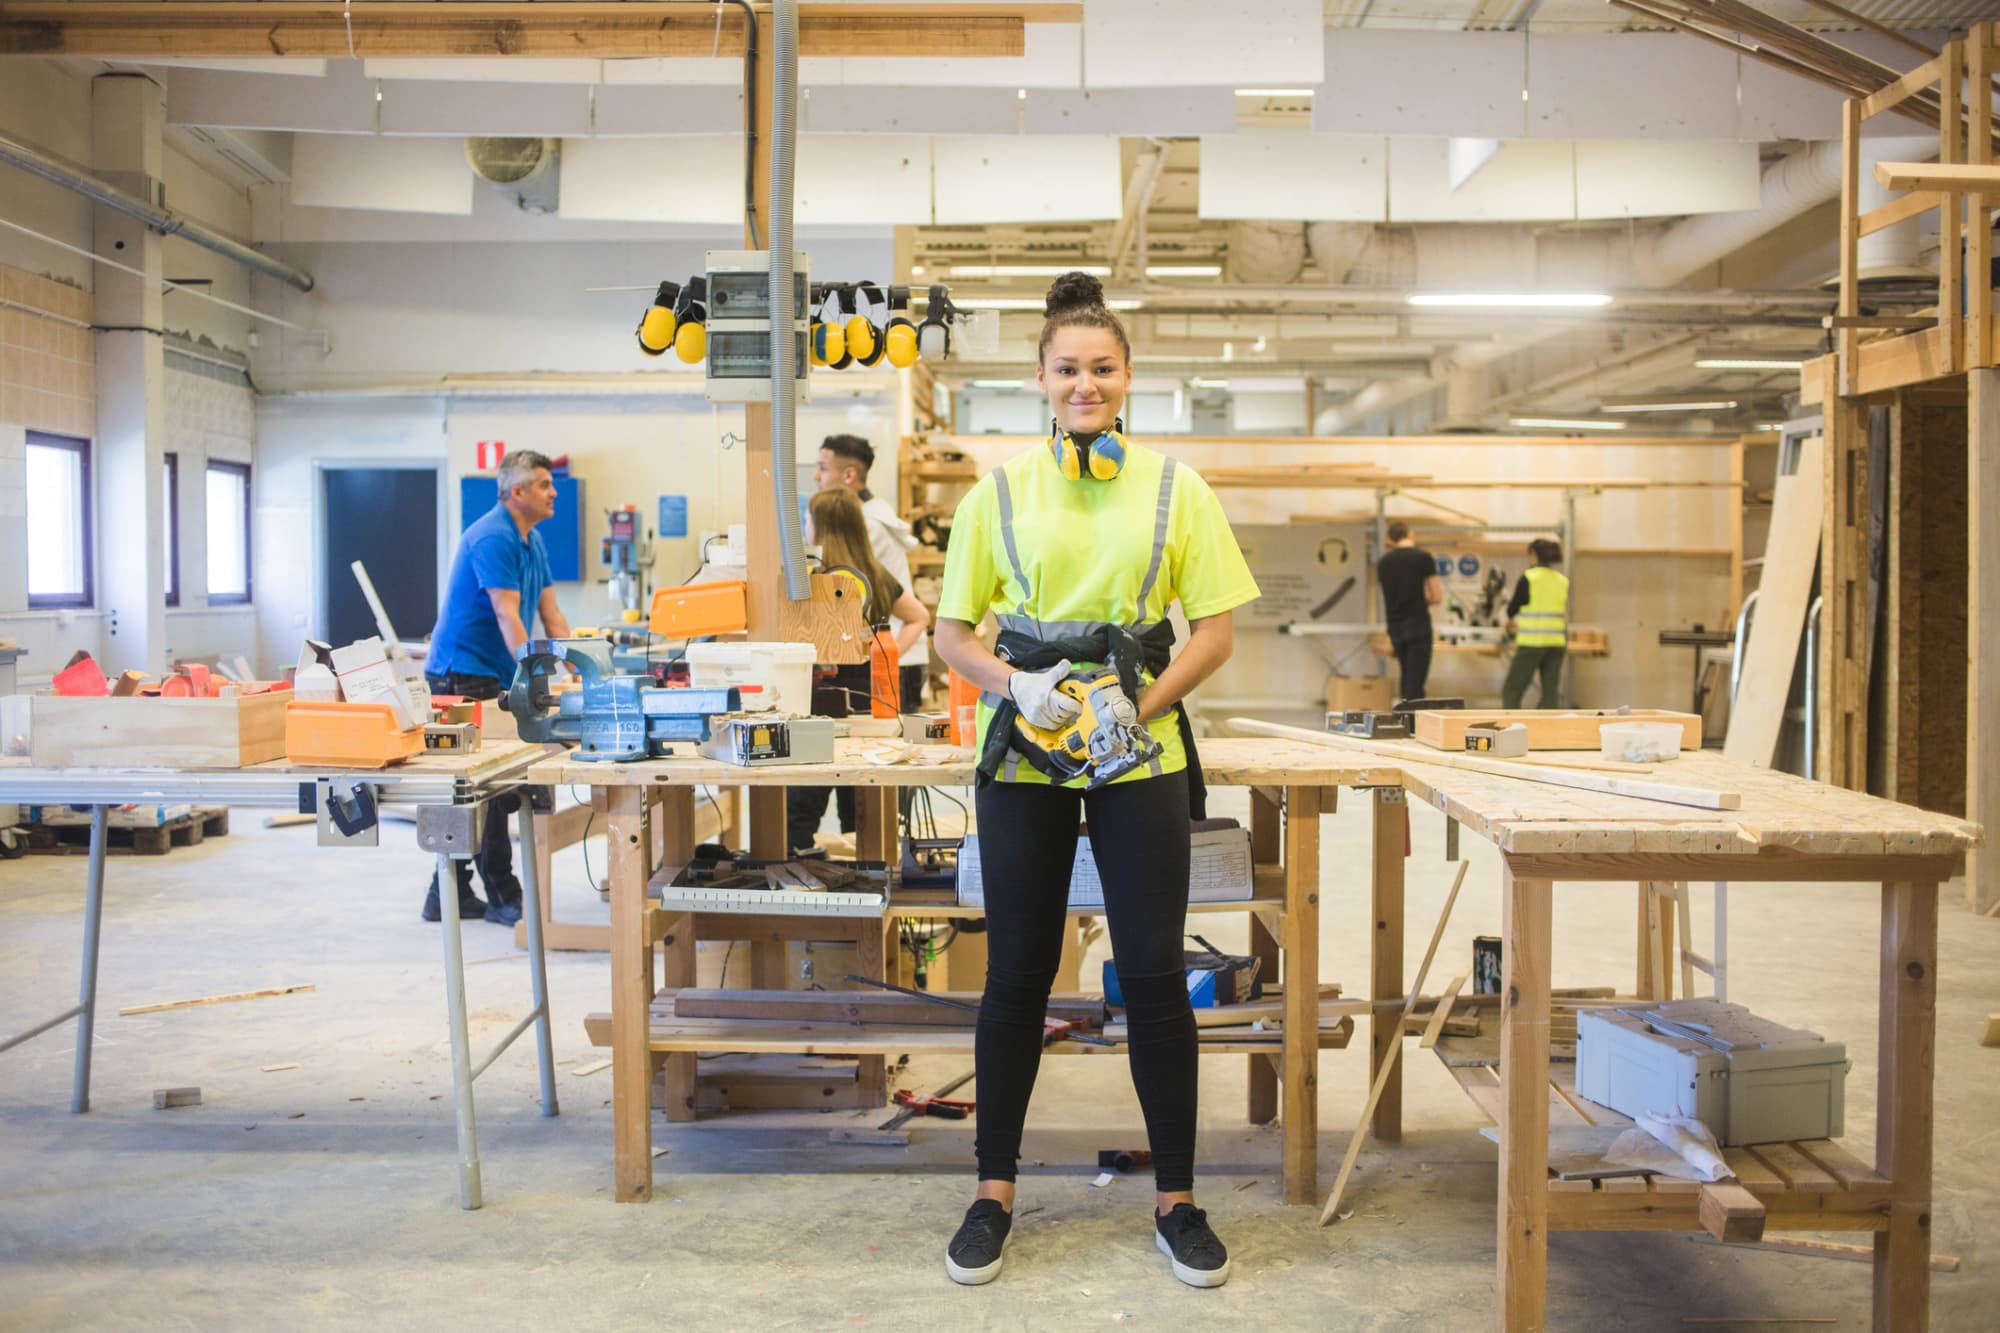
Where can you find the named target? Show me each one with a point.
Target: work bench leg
(1301, 1041)
(1907, 1065)
(86, 990)
(1266, 849)
(678, 947)
(875, 840)
(470, 1193)
(1385, 972)
(631, 996)
(533, 885)
(768, 958)
(1523, 1249)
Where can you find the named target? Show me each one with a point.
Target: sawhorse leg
(1523, 1251)
(631, 997)
(532, 888)
(470, 1194)
(1906, 1068)
(84, 1011)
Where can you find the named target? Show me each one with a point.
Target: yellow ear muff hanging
(691, 312)
(899, 335)
(656, 326)
(864, 340)
(825, 341)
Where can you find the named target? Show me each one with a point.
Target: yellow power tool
(1105, 741)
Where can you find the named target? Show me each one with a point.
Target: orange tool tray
(343, 735)
(691, 612)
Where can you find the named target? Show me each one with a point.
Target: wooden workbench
(1292, 784)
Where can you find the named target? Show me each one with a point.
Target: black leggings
(1027, 844)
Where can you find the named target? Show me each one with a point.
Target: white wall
(46, 103)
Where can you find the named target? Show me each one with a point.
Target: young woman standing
(1079, 548)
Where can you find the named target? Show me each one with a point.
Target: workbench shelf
(1810, 1185)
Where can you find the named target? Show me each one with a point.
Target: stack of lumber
(861, 1008)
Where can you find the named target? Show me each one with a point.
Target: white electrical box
(1748, 1079)
(761, 742)
(739, 326)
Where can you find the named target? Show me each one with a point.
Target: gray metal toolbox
(1748, 1079)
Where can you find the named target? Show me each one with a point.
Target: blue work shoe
(973, 1257)
(503, 913)
(1183, 1235)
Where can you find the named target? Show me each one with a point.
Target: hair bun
(1072, 290)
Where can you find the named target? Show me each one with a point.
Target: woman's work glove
(1036, 695)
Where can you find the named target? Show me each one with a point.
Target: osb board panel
(1927, 607)
(158, 733)
(1547, 730)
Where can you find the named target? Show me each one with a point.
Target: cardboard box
(1360, 693)
(158, 733)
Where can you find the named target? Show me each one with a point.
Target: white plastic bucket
(783, 670)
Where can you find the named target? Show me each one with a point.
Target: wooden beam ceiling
(201, 29)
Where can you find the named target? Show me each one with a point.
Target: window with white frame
(228, 496)
(59, 547)
(170, 485)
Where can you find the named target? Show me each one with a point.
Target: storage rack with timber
(1292, 786)
(1930, 365)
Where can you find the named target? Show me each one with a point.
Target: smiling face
(1086, 375)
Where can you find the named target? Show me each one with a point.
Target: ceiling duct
(1266, 252)
(528, 169)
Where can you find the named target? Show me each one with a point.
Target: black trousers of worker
(495, 860)
(1411, 640)
(1027, 844)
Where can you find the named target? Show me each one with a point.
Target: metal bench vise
(610, 717)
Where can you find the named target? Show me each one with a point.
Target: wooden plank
(1266, 846)
(631, 990)
(1853, 1174)
(1951, 216)
(1444, 729)
(1992, 1036)
(1435, 1028)
(1791, 553)
(1940, 177)
(1580, 779)
(1849, 303)
(230, 998)
(1801, 1173)
(1523, 1221)
(1388, 839)
(1299, 931)
(1905, 1077)
(157, 733)
(1982, 600)
(863, 1006)
(1979, 349)
(1828, 1249)
(1894, 363)
(165, 1098)
(1911, 83)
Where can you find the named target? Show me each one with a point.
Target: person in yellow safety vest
(1538, 617)
(1079, 547)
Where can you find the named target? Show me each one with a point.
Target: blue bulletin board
(562, 533)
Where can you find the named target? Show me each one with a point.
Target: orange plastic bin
(342, 735)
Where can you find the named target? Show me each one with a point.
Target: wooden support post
(631, 997)
(1301, 1042)
(1523, 1242)
(1951, 212)
(1385, 971)
(1654, 976)
(1844, 638)
(1982, 624)
(1906, 1070)
(1266, 847)
(1846, 337)
(677, 840)
(1979, 349)
(872, 960)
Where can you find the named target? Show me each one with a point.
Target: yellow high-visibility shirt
(1120, 551)
(1544, 621)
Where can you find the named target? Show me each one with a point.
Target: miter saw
(610, 717)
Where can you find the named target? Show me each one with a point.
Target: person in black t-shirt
(1410, 588)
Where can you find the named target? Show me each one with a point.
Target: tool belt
(1127, 652)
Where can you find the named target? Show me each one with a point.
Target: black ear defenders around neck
(1101, 455)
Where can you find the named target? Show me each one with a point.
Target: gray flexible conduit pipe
(163, 220)
(784, 410)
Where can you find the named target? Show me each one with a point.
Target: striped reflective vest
(1543, 622)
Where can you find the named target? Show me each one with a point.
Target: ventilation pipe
(784, 408)
(1266, 252)
(528, 169)
(163, 220)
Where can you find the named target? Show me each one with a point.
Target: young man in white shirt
(844, 460)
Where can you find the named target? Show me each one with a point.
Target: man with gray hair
(500, 581)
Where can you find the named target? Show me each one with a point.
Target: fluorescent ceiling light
(1032, 303)
(1749, 363)
(1208, 384)
(1712, 405)
(1027, 270)
(1566, 423)
(1274, 92)
(995, 384)
(1771, 425)
(1183, 270)
(1512, 300)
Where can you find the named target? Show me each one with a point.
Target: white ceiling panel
(655, 109)
(1262, 173)
(877, 179)
(398, 175)
(690, 179)
(1053, 58)
(1453, 84)
(496, 69)
(1664, 178)
(1050, 179)
(340, 102)
(1526, 182)
(675, 70)
(550, 110)
(853, 109)
(1137, 111)
(1777, 105)
(297, 66)
(1629, 86)
(1233, 43)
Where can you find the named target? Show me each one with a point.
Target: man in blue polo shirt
(500, 582)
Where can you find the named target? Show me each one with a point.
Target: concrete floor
(326, 1196)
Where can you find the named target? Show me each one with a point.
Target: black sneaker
(1183, 1236)
(973, 1256)
(471, 907)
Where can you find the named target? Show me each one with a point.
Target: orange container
(964, 695)
(705, 608)
(885, 678)
(343, 735)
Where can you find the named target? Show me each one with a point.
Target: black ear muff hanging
(1101, 456)
(874, 313)
(656, 326)
(934, 334)
(691, 316)
(827, 342)
(899, 335)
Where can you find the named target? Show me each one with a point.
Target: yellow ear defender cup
(691, 316)
(656, 326)
(829, 344)
(691, 342)
(864, 339)
(1102, 456)
(899, 341)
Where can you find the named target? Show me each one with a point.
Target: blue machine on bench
(612, 718)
